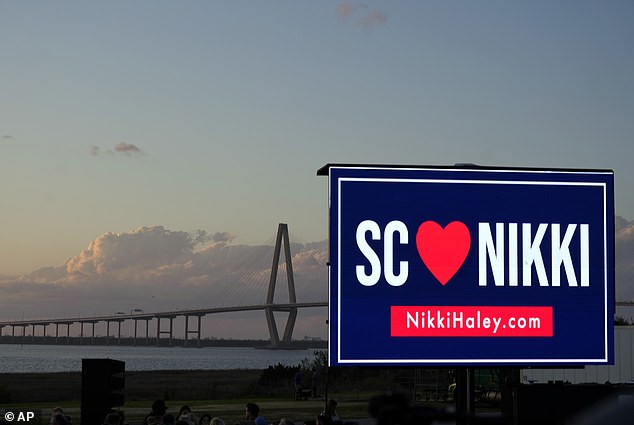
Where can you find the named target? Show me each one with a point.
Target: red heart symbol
(443, 250)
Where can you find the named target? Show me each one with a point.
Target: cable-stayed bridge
(163, 321)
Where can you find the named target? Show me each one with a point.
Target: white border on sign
(455, 181)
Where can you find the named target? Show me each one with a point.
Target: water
(64, 358)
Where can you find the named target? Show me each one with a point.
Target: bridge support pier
(169, 332)
(192, 331)
(282, 237)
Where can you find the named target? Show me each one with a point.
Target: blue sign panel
(471, 266)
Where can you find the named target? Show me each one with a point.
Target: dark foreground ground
(170, 385)
(222, 393)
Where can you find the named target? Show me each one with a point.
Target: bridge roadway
(159, 316)
(147, 317)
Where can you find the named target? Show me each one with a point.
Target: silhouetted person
(112, 418)
(185, 415)
(58, 420)
(168, 419)
(252, 413)
(313, 383)
(155, 417)
(298, 380)
(331, 411)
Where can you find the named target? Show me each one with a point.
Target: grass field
(222, 393)
(183, 385)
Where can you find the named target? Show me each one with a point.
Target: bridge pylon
(282, 237)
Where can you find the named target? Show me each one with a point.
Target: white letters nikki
(493, 249)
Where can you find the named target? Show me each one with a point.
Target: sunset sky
(215, 115)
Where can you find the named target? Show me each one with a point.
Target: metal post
(510, 380)
(171, 328)
(199, 318)
(186, 331)
(465, 401)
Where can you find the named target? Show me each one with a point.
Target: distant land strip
(151, 342)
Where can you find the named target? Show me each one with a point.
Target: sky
(212, 118)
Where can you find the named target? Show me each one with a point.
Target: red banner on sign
(471, 321)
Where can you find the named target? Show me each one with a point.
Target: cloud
(202, 237)
(222, 237)
(345, 10)
(127, 148)
(7, 137)
(143, 248)
(122, 148)
(361, 14)
(373, 19)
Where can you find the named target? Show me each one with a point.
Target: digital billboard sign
(470, 266)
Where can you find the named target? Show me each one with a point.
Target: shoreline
(176, 342)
